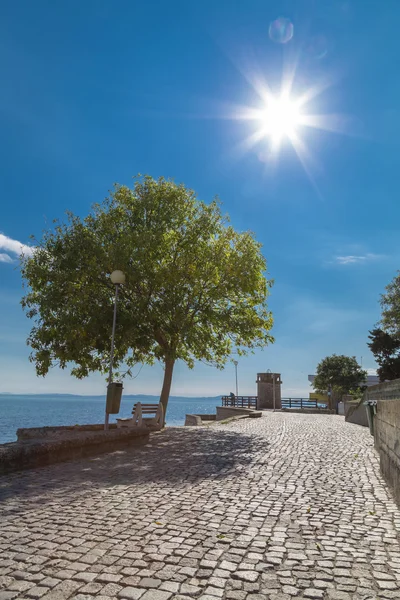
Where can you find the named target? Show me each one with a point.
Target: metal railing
(300, 403)
(240, 401)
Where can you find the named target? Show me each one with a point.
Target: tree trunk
(335, 400)
(166, 388)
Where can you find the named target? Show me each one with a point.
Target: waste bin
(114, 394)
(370, 406)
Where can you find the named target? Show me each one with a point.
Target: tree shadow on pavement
(175, 456)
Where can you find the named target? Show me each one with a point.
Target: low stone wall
(224, 412)
(57, 432)
(387, 430)
(64, 443)
(355, 412)
(196, 420)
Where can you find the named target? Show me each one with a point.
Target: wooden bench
(139, 410)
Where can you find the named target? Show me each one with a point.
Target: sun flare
(280, 119)
(286, 117)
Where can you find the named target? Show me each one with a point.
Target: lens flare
(281, 30)
(317, 47)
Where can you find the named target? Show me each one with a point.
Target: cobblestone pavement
(286, 506)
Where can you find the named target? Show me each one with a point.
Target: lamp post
(117, 278)
(330, 395)
(235, 362)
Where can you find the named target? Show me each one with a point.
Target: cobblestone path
(286, 506)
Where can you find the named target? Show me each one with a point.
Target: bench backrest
(147, 408)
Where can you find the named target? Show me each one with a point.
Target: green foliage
(342, 373)
(195, 288)
(386, 349)
(385, 339)
(390, 303)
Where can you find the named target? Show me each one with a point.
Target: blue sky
(94, 92)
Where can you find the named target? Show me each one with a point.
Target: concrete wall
(355, 412)
(225, 412)
(196, 420)
(46, 450)
(387, 430)
(58, 432)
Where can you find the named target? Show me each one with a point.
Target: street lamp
(330, 393)
(235, 362)
(117, 278)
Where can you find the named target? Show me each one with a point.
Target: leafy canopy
(342, 373)
(386, 349)
(195, 288)
(385, 338)
(390, 304)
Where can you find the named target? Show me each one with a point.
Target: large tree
(195, 288)
(339, 374)
(386, 349)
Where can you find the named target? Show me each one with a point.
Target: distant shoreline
(130, 396)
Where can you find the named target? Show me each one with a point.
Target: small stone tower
(266, 382)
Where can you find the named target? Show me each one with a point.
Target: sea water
(18, 411)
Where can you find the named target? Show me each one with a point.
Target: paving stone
(246, 575)
(214, 591)
(91, 588)
(108, 578)
(111, 590)
(49, 582)
(8, 595)
(290, 590)
(37, 592)
(313, 593)
(156, 595)
(337, 595)
(388, 585)
(62, 590)
(131, 593)
(190, 590)
(20, 586)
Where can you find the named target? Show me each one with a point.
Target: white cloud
(6, 258)
(13, 249)
(352, 259)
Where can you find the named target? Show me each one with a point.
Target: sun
(287, 115)
(280, 119)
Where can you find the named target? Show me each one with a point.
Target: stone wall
(42, 450)
(387, 430)
(196, 420)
